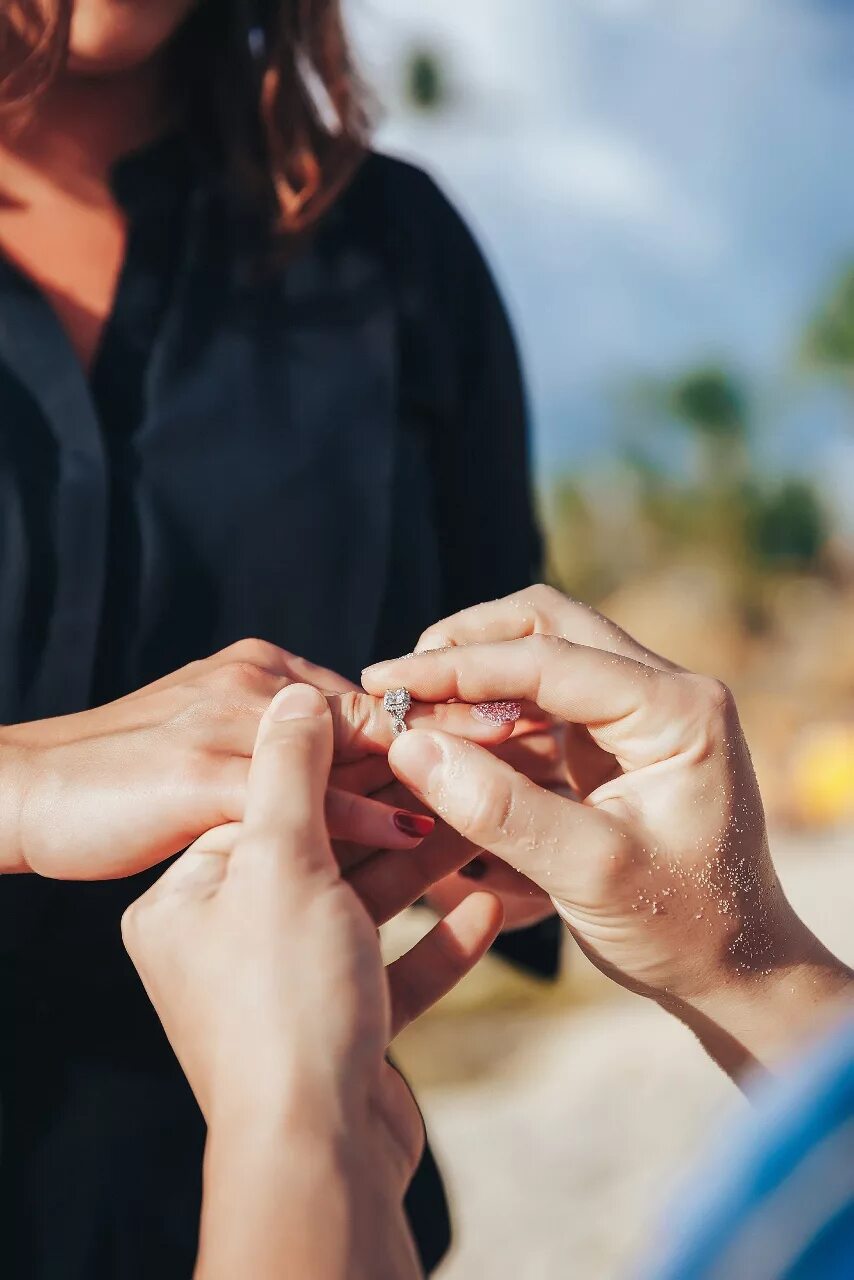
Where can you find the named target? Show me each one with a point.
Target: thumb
(543, 835)
(288, 777)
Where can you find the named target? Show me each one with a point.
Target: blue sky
(656, 181)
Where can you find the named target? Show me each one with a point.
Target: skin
(263, 965)
(108, 792)
(660, 868)
(112, 36)
(59, 222)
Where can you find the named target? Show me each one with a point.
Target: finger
(305, 672)
(498, 809)
(436, 964)
(362, 821)
(622, 701)
(363, 725)
(366, 824)
(388, 883)
(540, 756)
(364, 777)
(538, 610)
(285, 802)
(394, 796)
(486, 872)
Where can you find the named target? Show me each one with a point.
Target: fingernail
(383, 662)
(497, 712)
(415, 756)
(417, 825)
(474, 870)
(297, 702)
(434, 644)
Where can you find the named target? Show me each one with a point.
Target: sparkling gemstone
(397, 701)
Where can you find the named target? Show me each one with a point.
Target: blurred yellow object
(823, 774)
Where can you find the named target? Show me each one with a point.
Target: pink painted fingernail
(497, 712)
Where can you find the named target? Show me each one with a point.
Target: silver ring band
(397, 703)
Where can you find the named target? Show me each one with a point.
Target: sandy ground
(564, 1118)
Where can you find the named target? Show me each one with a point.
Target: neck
(83, 124)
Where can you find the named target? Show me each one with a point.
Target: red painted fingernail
(474, 870)
(497, 712)
(417, 825)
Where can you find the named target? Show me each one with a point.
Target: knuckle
(257, 653)
(710, 712)
(545, 648)
(712, 696)
(239, 678)
(619, 867)
(488, 811)
(438, 636)
(356, 717)
(544, 596)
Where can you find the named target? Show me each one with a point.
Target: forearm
(276, 1205)
(12, 781)
(752, 1022)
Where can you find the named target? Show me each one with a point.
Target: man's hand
(661, 869)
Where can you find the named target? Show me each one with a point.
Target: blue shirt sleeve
(776, 1199)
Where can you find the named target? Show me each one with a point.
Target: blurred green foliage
(787, 526)
(425, 80)
(645, 513)
(829, 340)
(711, 402)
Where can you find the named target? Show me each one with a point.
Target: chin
(107, 57)
(95, 63)
(111, 36)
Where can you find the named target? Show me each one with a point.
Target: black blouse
(329, 455)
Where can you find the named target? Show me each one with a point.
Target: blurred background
(665, 195)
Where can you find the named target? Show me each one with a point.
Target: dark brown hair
(269, 83)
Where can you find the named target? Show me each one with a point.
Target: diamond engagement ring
(397, 702)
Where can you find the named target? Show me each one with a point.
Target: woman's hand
(662, 871)
(265, 969)
(108, 792)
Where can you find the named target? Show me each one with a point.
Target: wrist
(749, 1021)
(264, 1190)
(298, 1191)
